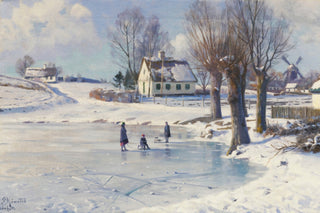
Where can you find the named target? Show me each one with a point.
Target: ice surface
(63, 167)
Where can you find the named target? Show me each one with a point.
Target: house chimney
(161, 54)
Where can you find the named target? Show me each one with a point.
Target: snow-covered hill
(19, 95)
(70, 101)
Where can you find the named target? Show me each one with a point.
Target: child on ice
(143, 142)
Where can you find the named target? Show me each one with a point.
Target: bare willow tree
(267, 38)
(202, 20)
(23, 64)
(204, 79)
(124, 39)
(133, 38)
(154, 39)
(245, 63)
(232, 66)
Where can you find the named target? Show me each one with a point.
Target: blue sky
(73, 33)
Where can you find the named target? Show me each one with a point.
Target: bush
(307, 136)
(111, 95)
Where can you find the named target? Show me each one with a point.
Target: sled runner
(141, 148)
(159, 140)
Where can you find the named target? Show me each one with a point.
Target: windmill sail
(301, 76)
(298, 61)
(285, 59)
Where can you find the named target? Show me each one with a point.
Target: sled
(140, 148)
(159, 140)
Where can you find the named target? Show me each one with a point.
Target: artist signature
(7, 204)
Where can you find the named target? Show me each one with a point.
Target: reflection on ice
(79, 166)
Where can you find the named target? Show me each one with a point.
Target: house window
(144, 88)
(187, 86)
(178, 86)
(168, 86)
(158, 86)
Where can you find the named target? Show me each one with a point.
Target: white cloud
(303, 15)
(80, 11)
(48, 29)
(181, 46)
(298, 11)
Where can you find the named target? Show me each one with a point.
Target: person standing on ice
(167, 133)
(123, 137)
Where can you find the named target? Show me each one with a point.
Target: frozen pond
(69, 167)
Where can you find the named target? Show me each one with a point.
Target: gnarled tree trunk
(243, 91)
(240, 133)
(261, 124)
(215, 101)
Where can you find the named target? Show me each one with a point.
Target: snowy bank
(290, 183)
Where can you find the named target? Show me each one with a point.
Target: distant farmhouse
(162, 75)
(44, 74)
(275, 86)
(315, 91)
(291, 87)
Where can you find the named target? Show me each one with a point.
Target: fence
(294, 112)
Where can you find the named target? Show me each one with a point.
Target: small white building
(315, 91)
(291, 87)
(44, 74)
(162, 75)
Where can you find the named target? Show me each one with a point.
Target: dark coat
(167, 131)
(143, 141)
(123, 134)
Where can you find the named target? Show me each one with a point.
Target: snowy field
(60, 153)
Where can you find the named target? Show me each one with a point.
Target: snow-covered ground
(31, 112)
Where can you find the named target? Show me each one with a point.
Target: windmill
(292, 72)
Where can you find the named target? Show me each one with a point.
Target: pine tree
(118, 80)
